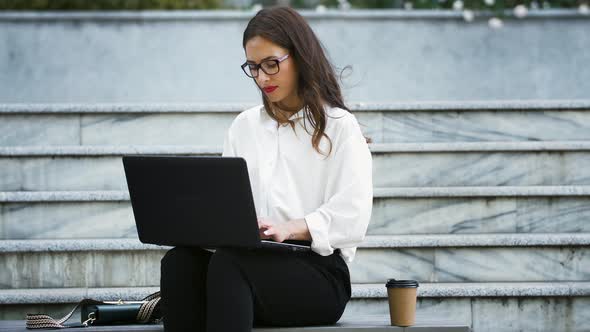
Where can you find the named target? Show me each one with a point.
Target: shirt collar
(271, 124)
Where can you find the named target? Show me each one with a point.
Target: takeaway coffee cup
(402, 301)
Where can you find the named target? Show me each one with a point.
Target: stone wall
(195, 56)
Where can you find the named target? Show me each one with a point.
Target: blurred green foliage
(108, 4)
(221, 4)
(448, 4)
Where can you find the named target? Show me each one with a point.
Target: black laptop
(203, 201)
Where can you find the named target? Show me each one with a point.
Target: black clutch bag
(93, 312)
(111, 313)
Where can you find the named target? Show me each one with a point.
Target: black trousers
(237, 289)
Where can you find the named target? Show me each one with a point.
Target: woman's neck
(284, 113)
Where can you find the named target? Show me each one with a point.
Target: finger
(262, 233)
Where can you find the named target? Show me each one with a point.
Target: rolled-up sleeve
(342, 221)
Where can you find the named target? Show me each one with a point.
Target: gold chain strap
(147, 308)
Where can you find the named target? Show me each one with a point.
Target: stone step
(375, 323)
(432, 258)
(405, 122)
(119, 150)
(65, 168)
(460, 210)
(359, 291)
(532, 304)
(399, 192)
(370, 242)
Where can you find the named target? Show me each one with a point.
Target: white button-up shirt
(291, 180)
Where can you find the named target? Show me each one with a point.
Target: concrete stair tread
(399, 165)
(349, 324)
(118, 150)
(359, 291)
(442, 105)
(481, 191)
(402, 192)
(371, 241)
(412, 122)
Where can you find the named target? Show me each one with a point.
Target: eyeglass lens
(270, 67)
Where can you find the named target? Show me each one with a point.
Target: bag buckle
(90, 320)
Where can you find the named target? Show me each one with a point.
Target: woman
(311, 176)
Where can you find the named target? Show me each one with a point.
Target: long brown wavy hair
(286, 28)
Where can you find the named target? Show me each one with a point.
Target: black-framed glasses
(269, 67)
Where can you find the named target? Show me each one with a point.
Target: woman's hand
(278, 232)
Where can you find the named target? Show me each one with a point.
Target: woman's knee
(224, 262)
(182, 258)
(176, 256)
(221, 257)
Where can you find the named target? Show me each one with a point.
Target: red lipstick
(270, 89)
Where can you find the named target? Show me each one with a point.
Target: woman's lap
(289, 289)
(292, 288)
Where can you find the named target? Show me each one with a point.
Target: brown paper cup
(402, 301)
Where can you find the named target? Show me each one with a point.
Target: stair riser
(114, 129)
(473, 215)
(544, 314)
(141, 268)
(53, 220)
(389, 170)
(208, 128)
(456, 310)
(472, 264)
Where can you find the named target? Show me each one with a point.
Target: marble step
(171, 124)
(119, 150)
(65, 168)
(541, 306)
(374, 323)
(461, 210)
(430, 258)
(359, 291)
